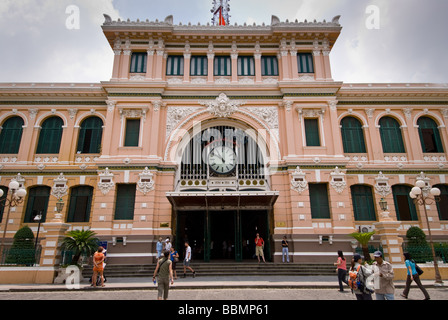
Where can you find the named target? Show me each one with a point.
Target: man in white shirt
(167, 245)
(187, 260)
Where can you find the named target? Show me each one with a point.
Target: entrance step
(222, 269)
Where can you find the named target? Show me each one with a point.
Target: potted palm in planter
(79, 242)
(363, 238)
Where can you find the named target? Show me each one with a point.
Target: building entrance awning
(248, 200)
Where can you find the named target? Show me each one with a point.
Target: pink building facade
(212, 134)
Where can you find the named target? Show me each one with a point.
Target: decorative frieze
(338, 180)
(382, 186)
(146, 181)
(298, 181)
(222, 106)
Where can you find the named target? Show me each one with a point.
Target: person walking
(259, 246)
(412, 275)
(342, 270)
(285, 250)
(164, 273)
(362, 272)
(384, 275)
(98, 259)
(187, 260)
(174, 257)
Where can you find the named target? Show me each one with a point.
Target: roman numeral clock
(222, 160)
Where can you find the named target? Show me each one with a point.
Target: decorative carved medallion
(338, 180)
(146, 182)
(222, 106)
(298, 181)
(60, 187)
(106, 181)
(382, 186)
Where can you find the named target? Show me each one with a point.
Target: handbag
(418, 269)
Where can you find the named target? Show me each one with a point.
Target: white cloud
(42, 49)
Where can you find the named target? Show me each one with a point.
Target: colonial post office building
(212, 134)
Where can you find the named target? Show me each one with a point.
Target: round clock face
(222, 160)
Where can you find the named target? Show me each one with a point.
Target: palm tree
(80, 242)
(363, 238)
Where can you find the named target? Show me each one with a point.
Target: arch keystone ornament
(222, 106)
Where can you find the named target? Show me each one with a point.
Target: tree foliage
(80, 242)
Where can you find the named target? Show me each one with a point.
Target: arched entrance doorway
(222, 195)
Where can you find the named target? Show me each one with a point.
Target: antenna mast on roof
(220, 12)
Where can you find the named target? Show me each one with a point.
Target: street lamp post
(37, 218)
(17, 195)
(420, 194)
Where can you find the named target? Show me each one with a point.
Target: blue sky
(409, 45)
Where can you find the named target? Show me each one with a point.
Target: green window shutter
(138, 62)
(442, 205)
(132, 133)
(429, 135)
(50, 136)
(305, 63)
(352, 136)
(363, 205)
(404, 206)
(391, 137)
(312, 132)
(175, 66)
(11, 135)
(90, 135)
(37, 203)
(246, 66)
(80, 204)
(222, 66)
(269, 66)
(199, 66)
(125, 202)
(320, 208)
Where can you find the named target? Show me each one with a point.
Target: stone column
(257, 58)
(51, 249)
(386, 229)
(116, 68)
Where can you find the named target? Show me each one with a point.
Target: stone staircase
(214, 269)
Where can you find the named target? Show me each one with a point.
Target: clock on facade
(222, 160)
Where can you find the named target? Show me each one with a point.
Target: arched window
(442, 206)
(90, 135)
(11, 135)
(352, 135)
(391, 136)
(50, 136)
(429, 135)
(37, 203)
(80, 204)
(363, 205)
(404, 206)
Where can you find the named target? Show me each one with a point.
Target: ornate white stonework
(146, 181)
(267, 114)
(106, 182)
(298, 181)
(222, 106)
(175, 115)
(338, 180)
(382, 186)
(60, 187)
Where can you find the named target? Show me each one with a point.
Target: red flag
(222, 22)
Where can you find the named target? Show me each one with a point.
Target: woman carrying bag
(413, 275)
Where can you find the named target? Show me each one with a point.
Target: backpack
(354, 279)
(357, 281)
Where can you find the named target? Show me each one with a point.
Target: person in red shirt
(259, 246)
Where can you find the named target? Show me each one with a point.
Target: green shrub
(22, 250)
